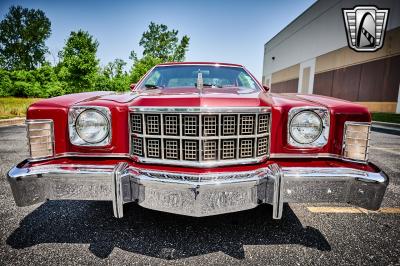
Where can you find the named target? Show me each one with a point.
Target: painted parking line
(351, 210)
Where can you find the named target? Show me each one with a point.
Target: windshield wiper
(209, 85)
(152, 86)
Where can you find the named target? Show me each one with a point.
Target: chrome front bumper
(198, 194)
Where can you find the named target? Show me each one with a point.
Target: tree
(78, 61)
(115, 69)
(22, 38)
(159, 42)
(159, 45)
(113, 77)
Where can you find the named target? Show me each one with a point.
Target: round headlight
(92, 126)
(305, 127)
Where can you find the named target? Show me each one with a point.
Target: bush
(48, 81)
(5, 83)
(112, 84)
(40, 83)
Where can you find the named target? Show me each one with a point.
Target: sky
(220, 30)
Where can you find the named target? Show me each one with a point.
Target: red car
(198, 139)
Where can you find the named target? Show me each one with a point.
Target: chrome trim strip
(195, 109)
(80, 155)
(306, 155)
(334, 172)
(201, 164)
(38, 121)
(128, 156)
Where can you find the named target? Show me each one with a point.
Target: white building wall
(311, 65)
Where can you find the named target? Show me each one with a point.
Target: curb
(386, 124)
(12, 121)
(388, 128)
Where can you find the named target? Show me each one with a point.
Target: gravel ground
(83, 232)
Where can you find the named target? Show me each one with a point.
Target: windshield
(164, 77)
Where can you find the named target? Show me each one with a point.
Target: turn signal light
(356, 140)
(40, 138)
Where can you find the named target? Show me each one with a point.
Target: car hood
(208, 97)
(193, 97)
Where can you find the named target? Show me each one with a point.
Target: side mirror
(266, 88)
(132, 86)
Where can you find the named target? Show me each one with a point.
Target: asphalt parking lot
(83, 232)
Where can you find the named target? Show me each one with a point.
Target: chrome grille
(210, 150)
(171, 125)
(171, 149)
(190, 150)
(263, 123)
(136, 123)
(154, 148)
(228, 149)
(247, 124)
(190, 125)
(229, 125)
(137, 146)
(153, 124)
(210, 125)
(199, 136)
(262, 146)
(246, 148)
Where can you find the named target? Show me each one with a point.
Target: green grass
(386, 117)
(14, 107)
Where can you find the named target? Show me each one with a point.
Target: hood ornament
(200, 83)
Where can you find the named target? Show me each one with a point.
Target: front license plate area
(200, 200)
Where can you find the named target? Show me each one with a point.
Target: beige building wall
(345, 56)
(286, 74)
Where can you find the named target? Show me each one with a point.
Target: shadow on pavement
(158, 234)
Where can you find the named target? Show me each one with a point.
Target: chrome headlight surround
(73, 117)
(324, 116)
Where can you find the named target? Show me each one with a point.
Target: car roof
(199, 63)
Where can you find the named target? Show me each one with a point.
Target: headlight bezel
(323, 136)
(74, 114)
